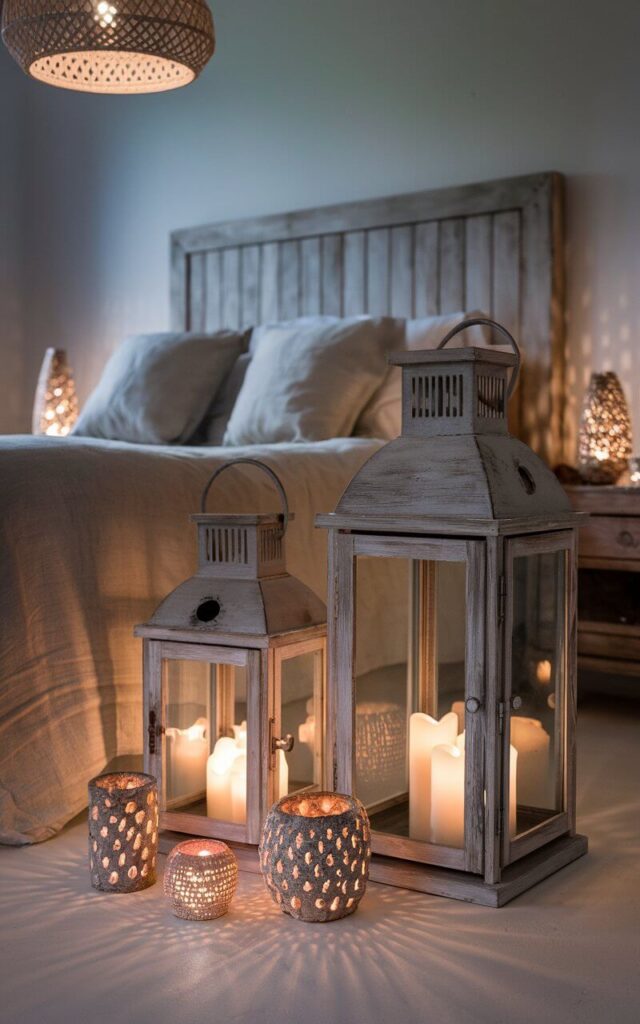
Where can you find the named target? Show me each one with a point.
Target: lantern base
(461, 885)
(456, 885)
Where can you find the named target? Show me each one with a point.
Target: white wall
(307, 103)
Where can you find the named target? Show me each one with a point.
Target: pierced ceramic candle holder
(123, 831)
(314, 855)
(200, 879)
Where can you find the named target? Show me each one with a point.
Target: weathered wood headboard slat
(495, 246)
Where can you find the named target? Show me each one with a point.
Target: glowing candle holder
(604, 444)
(314, 855)
(55, 407)
(123, 831)
(200, 879)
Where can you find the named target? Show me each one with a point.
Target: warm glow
(605, 430)
(105, 14)
(425, 733)
(224, 754)
(55, 409)
(543, 672)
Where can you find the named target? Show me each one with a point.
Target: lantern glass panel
(302, 713)
(410, 669)
(206, 704)
(538, 688)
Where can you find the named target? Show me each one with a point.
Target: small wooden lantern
(469, 541)
(234, 667)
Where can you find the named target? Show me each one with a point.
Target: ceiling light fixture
(110, 46)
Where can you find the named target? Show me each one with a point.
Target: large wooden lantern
(234, 666)
(452, 629)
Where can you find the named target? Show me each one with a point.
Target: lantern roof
(241, 590)
(455, 468)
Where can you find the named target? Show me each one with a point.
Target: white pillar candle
(239, 790)
(425, 733)
(187, 751)
(447, 795)
(532, 743)
(219, 768)
(283, 775)
(458, 709)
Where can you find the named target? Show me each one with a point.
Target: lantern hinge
(502, 598)
(501, 710)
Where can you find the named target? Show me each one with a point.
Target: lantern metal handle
(260, 465)
(484, 321)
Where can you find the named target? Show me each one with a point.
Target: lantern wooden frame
(509, 505)
(265, 618)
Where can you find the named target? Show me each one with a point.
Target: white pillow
(382, 415)
(156, 388)
(309, 379)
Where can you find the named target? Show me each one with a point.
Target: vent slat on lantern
(435, 396)
(490, 397)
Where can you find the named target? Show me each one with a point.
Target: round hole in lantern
(304, 858)
(208, 611)
(200, 879)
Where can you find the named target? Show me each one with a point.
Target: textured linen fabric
(156, 388)
(93, 535)
(309, 379)
(382, 415)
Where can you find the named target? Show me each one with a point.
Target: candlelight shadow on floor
(565, 951)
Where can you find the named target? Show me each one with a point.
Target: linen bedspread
(94, 535)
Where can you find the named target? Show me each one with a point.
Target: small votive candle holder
(634, 470)
(314, 855)
(200, 879)
(123, 831)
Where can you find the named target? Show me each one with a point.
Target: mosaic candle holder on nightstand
(604, 443)
(123, 831)
(200, 879)
(314, 855)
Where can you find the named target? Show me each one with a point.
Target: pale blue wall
(13, 389)
(308, 103)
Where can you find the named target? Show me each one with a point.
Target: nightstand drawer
(612, 537)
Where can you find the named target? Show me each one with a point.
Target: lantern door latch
(154, 730)
(282, 743)
(276, 743)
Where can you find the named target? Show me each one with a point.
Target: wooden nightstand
(609, 579)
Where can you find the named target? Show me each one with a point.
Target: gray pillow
(309, 379)
(156, 388)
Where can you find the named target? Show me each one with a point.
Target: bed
(95, 533)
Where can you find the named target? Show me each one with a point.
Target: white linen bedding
(94, 534)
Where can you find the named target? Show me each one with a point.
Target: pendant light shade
(110, 46)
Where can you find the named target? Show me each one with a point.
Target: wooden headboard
(495, 246)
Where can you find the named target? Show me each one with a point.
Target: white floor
(566, 951)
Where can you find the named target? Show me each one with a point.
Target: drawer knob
(626, 539)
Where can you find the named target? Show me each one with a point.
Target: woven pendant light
(110, 46)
